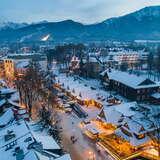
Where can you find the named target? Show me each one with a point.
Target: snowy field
(86, 89)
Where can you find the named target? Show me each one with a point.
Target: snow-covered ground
(20, 139)
(88, 89)
(6, 117)
(85, 89)
(84, 148)
(23, 135)
(81, 149)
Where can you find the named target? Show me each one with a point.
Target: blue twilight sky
(85, 11)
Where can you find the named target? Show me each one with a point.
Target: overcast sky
(85, 11)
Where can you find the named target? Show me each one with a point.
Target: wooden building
(130, 86)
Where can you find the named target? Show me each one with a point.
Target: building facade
(130, 86)
(9, 68)
(2, 73)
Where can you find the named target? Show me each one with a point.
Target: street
(83, 149)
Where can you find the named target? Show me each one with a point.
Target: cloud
(86, 11)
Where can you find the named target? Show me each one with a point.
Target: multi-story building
(74, 64)
(93, 67)
(9, 68)
(131, 58)
(1, 69)
(135, 132)
(12, 67)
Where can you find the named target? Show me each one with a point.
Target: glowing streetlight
(91, 155)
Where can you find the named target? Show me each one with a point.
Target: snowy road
(84, 148)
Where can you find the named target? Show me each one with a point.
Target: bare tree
(157, 63)
(150, 63)
(29, 85)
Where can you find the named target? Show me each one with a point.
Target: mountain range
(140, 25)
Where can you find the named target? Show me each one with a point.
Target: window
(138, 91)
(138, 98)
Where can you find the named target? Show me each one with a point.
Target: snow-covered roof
(41, 156)
(30, 155)
(8, 154)
(20, 134)
(130, 80)
(133, 126)
(9, 102)
(2, 102)
(104, 72)
(7, 91)
(64, 157)
(13, 104)
(125, 108)
(132, 139)
(111, 116)
(47, 141)
(127, 52)
(114, 113)
(44, 157)
(156, 95)
(19, 129)
(92, 59)
(2, 82)
(129, 113)
(92, 129)
(23, 137)
(22, 64)
(74, 58)
(146, 122)
(15, 97)
(6, 117)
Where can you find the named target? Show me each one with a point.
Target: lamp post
(91, 155)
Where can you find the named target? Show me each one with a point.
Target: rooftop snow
(64, 157)
(2, 102)
(130, 114)
(133, 140)
(2, 82)
(6, 117)
(15, 97)
(114, 113)
(22, 132)
(22, 64)
(156, 95)
(30, 155)
(13, 104)
(130, 80)
(8, 154)
(92, 59)
(111, 116)
(125, 108)
(47, 141)
(19, 129)
(7, 91)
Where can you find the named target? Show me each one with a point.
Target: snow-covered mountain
(147, 12)
(151, 12)
(140, 25)
(11, 25)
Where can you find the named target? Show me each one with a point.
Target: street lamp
(91, 155)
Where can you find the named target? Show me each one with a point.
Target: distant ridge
(143, 24)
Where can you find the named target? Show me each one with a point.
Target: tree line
(63, 53)
(35, 85)
(153, 63)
